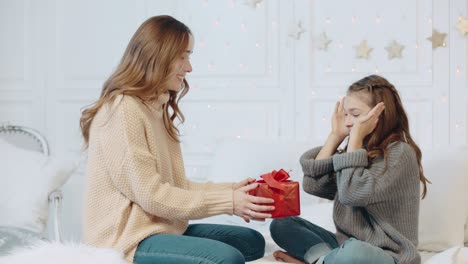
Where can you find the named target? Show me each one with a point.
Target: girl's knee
(280, 224)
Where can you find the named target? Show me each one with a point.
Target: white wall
(251, 79)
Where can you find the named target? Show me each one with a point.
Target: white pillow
(454, 255)
(59, 253)
(26, 179)
(444, 211)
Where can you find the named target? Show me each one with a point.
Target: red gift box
(285, 192)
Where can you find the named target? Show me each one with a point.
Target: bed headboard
(24, 137)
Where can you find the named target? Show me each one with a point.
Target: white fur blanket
(58, 253)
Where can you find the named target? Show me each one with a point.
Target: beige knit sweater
(136, 184)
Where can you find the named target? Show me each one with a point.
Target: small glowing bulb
(444, 98)
(353, 69)
(208, 106)
(243, 27)
(457, 70)
(444, 44)
(457, 125)
(328, 20)
(238, 137)
(257, 45)
(376, 70)
(416, 46)
(378, 19)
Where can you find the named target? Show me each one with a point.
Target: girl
(138, 200)
(374, 185)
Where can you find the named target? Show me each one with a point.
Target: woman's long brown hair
(393, 124)
(144, 71)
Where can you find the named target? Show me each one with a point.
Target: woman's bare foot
(284, 257)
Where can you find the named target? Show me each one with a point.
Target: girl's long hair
(144, 71)
(393, 123)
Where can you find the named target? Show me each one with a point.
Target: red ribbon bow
(274, 179)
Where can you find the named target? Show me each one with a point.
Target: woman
(374, 184)
(138, 200)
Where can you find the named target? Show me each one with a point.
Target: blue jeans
(313, 244)
(202, 244)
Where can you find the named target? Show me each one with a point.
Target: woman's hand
(339, 129)
(243, 183)
(251, 207)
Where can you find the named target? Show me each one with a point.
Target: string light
(201, 43)
(416, 46)
(376, 70)
(457, 70)
(378, 20)
(208, 106)
(444, 98)
(457, 125)
(243, 28)
(353, 69)
(217, 23)
(238, 136)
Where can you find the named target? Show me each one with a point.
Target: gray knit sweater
(374, 203)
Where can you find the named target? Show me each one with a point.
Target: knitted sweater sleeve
(134, 173)
(319, 178)
(360, 183)
(209, 185)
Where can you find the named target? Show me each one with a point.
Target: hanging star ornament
(394, 50)
(363, 51)
(463, 26)
(437, 38)
(323, 41)
(253, 3)
(296, 30)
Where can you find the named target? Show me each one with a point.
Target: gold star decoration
(394, 50)
(296, 30)
(323, 41)
(462, 25)
(438, 39)
(253, 3)
(362, 50)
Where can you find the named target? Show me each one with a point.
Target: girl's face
(354, 108)
(181, 67)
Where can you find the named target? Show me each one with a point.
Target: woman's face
(181, 67)
(354, 108)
